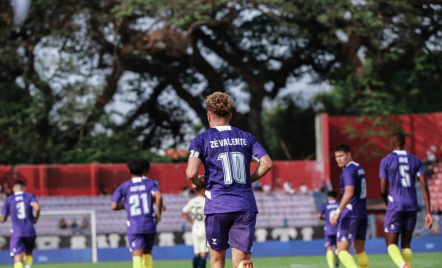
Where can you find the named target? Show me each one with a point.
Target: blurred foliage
(63, 69)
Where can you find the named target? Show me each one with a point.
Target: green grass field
(428, 260)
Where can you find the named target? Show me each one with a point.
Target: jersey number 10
(238, 169)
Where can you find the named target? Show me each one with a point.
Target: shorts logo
(214, 241)
(392, 226)
(343, 239)
(349, 236)
(386, 230)
(133, 244)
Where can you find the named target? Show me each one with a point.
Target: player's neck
(399, 149)
(220, 123)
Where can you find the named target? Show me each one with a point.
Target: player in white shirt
(195, 207)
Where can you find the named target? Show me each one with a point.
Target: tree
(169, 55)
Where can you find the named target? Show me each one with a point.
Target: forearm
(426, 193)
(3, 218)
(264, 166)
(117, 206)
(186, 216)
(345, 200)
(37, 215)
(159, 202)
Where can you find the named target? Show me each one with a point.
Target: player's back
(137, 195)
(19, 207)
(401, 168)
(195, 207)
(354, 175)
(328, 209)
(227, 154)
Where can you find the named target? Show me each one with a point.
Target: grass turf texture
(427, 260)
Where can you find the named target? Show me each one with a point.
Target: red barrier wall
(369, 139)
(75, 180)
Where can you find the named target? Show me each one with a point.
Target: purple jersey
(137, 196)
(226, 153)
(19, 207)
(354, 175)
(401, 169)
(327, 211)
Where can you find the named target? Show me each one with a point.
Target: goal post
(93, 217)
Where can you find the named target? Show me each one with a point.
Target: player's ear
(230, 117)
(208, 117)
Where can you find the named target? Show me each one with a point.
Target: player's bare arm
(321, 217)
(264, 166)
(115, 206)
(187, 217)
(384, 190)
(37, 209)
(159, 203)
(426, 194)
(348, 194)
(3, 218)
(193, 166)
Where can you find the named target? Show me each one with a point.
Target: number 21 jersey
(137, 196)
(226, 153)
(401, 169)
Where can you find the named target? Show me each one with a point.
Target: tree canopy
(61, 72)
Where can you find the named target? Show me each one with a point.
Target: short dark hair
(343, 148)
(136, 166)
(19, 182)
(146, 165)
(399, 137)
(332, 194)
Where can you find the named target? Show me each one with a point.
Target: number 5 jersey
(137, 196)
(226, 153)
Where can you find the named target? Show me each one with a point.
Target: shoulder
(388, 158)
(151, 182)
(9, 199)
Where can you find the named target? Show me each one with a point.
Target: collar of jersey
(137, 179)
(223, 128)
(16, 193)
(400, 152)
(352, 162)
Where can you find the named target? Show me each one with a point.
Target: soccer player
(137, 196)
(195, 207)
(398, 173)
(226, 153)
(21, 206)
(146, 176)
(326, 212)
(352, 211)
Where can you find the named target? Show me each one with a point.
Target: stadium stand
(276, 210)
(435, 187)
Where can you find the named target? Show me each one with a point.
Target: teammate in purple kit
(226, 153)
(21, 206)
(352, 211)
(326, 212)
(137, 196)
(398, 173)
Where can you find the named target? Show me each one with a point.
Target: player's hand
(334, 219)
(428, 221)
(35, 220)
(200, 181)
(158, 217)
(164, 208)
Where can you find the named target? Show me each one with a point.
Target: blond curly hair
(219, 103)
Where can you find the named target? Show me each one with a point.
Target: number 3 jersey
(195, 207)
(226, 153)
(354, 175)
(137, 196)
(401, 169)
(19, 207)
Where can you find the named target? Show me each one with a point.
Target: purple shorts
(397, 221)
(21, 245)
(235, 229)
(330, 241)
(350, 229)
(141, 241)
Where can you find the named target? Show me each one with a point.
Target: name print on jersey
(228, 142)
